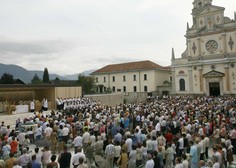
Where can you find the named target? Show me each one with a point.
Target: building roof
(130, 66)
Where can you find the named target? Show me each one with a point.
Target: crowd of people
(167, 132)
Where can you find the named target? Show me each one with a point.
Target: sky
(72, 36)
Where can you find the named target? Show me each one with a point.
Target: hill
(75, 76)
(23, 74)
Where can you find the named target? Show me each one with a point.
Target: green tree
(87, 83)
(46, 76)
(7, 78)
(36, 80)
(57, 79)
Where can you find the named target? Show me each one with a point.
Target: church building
(208, 65)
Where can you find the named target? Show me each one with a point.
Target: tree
(36, 80)
(7, 78)
(87, 83)
(46, 76)
(57, 79)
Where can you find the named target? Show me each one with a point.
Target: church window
(124, 78)
(181, 72)
(145, 88)
(145, 76)
(124, 88)
(231, 43)
(194, 48)
(182, 85)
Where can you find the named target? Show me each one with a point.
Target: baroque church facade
(208, 65)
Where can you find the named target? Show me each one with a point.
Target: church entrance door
(214, 88)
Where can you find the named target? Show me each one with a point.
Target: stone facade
(208, 65)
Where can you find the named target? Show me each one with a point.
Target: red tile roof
(130, 66)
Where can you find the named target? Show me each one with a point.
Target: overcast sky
(71, 36)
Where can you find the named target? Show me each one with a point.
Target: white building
(208, 64)
(143, 76)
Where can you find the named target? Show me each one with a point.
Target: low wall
(107, 99)
(119, 98)
(135, 97)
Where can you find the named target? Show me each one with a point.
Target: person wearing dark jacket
(156, 159)
(64, 158)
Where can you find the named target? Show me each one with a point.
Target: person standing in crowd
(14, 145)
(38, 155)
(132, 157)
(150, 163)
(178, 163)
(54, 142)
(185, 161)
(65, 134)
(45, 105)
(24, 159)
(42, 104)
(32, 106)
(48, 132)
(6, 150)
(46, 155)
(53, 163)
(82, 164)
(89, 153)
(77, 156)
(85, 139)
(117, 151)
(77, 142)
(233, 138)
(169, 156)
(10, 162)
(98, 147)
(156, 159)
(34, 162)
(38, 133)
(109, 153)
(122, 162)
(64, 158)
(59, 104)
(193, 155)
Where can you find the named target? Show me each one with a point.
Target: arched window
(182, 85)
(181, 72)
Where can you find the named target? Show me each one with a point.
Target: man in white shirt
(150, 163)
(202, 146)
(47, 132)
(65, 133)
(158, 127)
(85, 139)
(109, 153)
(207, 145)
(45, 105)
(38, 133)
(24, 158)
(178, 163)
(21, 138)
(129, 143)
(180, 146)
(32, 106)
(79, 154)
(77, 142)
